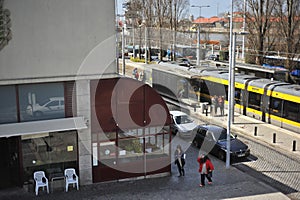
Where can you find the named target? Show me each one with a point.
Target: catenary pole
(199, 32)
(230, 100)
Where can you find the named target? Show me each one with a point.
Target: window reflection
(131, 146)
(50, 152)
(130, 149)
(107, 153)
(41, 101)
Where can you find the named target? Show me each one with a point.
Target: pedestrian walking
(137, 75)
(180, 160)
(205, 169)
(134, 71)
(214, 102)
(221, 104)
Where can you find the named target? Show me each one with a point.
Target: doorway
(9, 165)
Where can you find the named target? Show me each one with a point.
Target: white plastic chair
(71, 178)
(40, 181)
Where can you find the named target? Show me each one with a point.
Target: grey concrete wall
(59, 38)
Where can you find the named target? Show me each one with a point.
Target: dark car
(213, 57)
(185, 62)
(213, 139)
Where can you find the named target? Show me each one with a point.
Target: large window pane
(8, 106)
(275, 106)
(107, 153)
(41, 101)
(237, 96)
(130, 150)
(50, 152)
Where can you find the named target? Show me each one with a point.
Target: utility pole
(198, 33)
(230, 91)
(123, 49)
(146, 38)
(244, 27)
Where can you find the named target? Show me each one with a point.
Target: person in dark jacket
(180, 160)
(205, 169)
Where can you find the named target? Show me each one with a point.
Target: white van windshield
(183, 119)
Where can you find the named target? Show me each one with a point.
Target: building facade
(63, 104)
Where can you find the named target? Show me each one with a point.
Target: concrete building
(63, 104)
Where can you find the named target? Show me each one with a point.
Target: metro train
(270, 101)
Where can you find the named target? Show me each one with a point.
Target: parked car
(182, 124)
(184, 62)
(51, 106)
(214, 139)
(213, 57)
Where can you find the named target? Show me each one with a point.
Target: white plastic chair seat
(71, 178)
(41, 181)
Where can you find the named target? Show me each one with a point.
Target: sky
(216, 6)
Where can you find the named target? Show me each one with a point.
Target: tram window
(237, 96)
(254, 100)
(291, 111)
(275, 106)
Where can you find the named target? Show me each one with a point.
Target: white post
(198, 46)
(146, 38)
(133, 42)
(230, 90)
(232, 82)
(198, 33)
(244, 24)
(123, 49)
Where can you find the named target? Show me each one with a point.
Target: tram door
(9, 165)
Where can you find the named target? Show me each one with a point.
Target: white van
(182, 124)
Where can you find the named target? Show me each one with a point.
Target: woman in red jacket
(205, 169)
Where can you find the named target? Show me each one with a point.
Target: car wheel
(221, 155)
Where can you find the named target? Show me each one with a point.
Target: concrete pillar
(84, 136)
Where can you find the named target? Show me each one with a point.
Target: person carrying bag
(180, 160)
(205, 169)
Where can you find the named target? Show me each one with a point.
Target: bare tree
(160, 14)
(288, 23)
(258, 16)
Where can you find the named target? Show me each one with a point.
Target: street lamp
(230, 90)
(198, 32)
(231, 86)
(144, 23)
(123, 45)
(244, 26)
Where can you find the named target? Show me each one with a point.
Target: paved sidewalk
(227, 184)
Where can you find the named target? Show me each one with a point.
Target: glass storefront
(8, 105)
(50, 152)
(131, 147)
